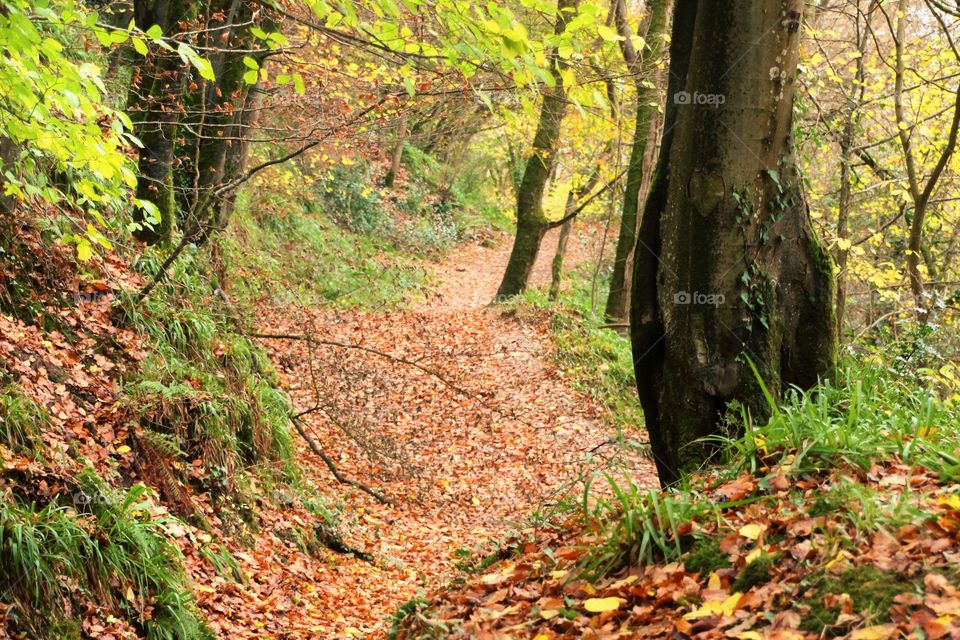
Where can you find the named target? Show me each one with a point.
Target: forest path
(452, 410)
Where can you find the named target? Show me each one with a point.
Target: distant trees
(732, 272)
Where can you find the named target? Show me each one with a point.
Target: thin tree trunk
(731, 271)
(556, 271)
(531, 224)
(573, 200)
(391, 176)
(648, 100)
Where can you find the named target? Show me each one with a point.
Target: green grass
(868, 413)
(21, 421)
(303, 258)
(107, 549)
(204, 391)
(870, 589)
(836, 432)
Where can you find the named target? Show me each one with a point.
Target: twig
(333, 468)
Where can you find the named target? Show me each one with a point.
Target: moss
(757, 572)
(705, 556)
(872, 591)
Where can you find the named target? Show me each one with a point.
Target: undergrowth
(109, 550)
(204, 392)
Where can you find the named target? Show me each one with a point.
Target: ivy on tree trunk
(732, 272)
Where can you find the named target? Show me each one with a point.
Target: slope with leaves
(839, 518)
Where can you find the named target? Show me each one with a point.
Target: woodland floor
(480, 432)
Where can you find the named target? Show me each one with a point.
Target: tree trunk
(153, 105)
(843, 217)
(731, 271)
(391, 176)
(648, 100)
(221, 127)
(531, 224)
(573, 200)
(556, 270)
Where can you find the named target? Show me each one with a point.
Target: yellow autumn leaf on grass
(753, 555)
(715, 607)
(599, 605)
(752, 531)
(713, 582)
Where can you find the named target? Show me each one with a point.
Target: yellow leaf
(556, 575)
(84, 250)
(599, 605)
(876, 632)
(123, 449)
(952, 501)
(753, 555)
(714, 581)
(546, 614)
(749, 635)
(129, 595)
(624, 582)
(542, 636)
(715, 607)
(752, 531)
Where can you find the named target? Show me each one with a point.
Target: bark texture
(648, 100)
(731, 272)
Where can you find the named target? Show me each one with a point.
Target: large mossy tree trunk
(645, 75)
(154, 104)
(732, 272)
(531, 224)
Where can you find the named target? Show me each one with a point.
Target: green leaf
(155, 32)
(250, 63)
(298, 85)
(608, 33)
(140, 46)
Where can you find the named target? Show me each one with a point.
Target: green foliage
(872, 591)
(111, 551)
(869, 413)
(756, 572)
(53, 106)
(409, 608)
(204, 389)
(21, 421)
(641, 525)
(352, 200)
(705, 556)
(302, 257)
